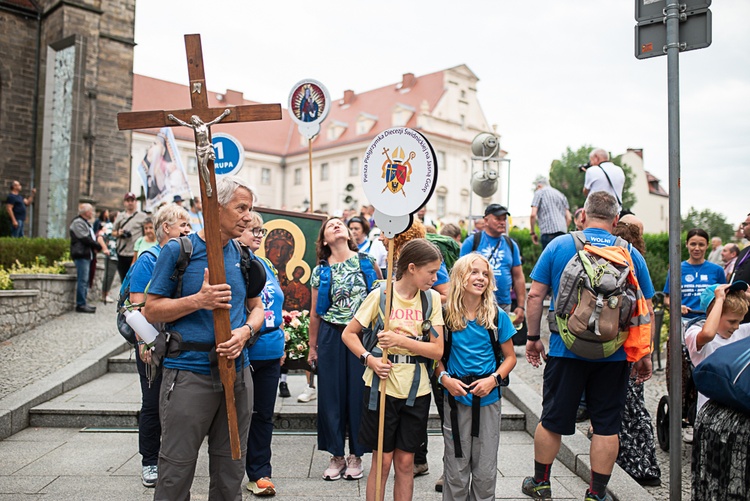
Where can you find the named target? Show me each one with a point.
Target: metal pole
(675, 315)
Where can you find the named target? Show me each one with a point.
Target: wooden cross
(200, 117)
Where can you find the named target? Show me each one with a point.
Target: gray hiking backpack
(595, 302)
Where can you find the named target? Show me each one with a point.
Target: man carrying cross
(189, 403)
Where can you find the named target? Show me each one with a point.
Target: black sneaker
(284, 390)
(541, 490)
(86, 309)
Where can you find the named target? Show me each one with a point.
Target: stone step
(124, 362)
(114, 400)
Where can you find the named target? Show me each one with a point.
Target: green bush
(38, 267)
(31, 251)
(529, 252)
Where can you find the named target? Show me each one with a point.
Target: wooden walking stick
(200, 117)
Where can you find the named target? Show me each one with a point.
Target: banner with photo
(161, 171)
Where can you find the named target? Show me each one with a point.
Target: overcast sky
(551, 74)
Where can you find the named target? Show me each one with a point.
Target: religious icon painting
(309, 104)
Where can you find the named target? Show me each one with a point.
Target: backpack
(494, 335)
(123, 301)
(596, 298)
(370, 341)
(449, 248)
(724, 375)
(325, 296)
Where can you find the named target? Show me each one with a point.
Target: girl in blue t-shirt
(471, 376)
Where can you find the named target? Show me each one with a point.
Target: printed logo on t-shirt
(689, 278)
(704, 278)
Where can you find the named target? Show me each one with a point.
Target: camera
(583, 167)
(126, 234)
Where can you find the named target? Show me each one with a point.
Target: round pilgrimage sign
(229, 154)
(399, 172)
(309, 104)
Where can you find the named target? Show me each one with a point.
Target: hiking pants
(340, 389)
(473, 476)
(149, 427)
(190, 409)
(265, 378)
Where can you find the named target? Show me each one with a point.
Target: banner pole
(309, 162)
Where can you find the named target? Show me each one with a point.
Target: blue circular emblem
(229, 154)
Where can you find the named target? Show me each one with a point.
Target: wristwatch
(498, 380)
(363, 358)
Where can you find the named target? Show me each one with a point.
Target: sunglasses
(259, 232)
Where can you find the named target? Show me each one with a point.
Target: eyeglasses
(259, 232)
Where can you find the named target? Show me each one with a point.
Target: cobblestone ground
(655, 388)
(46, 348)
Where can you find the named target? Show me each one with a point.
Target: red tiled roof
(280, 137)
(23, 4)
(654, 185)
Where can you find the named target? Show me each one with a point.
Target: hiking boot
(309, 394)
(439, 483)
(421, 469)
(149, 475)
(284, 390)
(335, 469)
(593, 497)
(262, 487)
(541, 490)
(353, 467)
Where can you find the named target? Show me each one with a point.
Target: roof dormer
(335, 129)
(401, 114)
(365, 123)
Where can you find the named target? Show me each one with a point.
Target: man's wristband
(440, 377)
(533, 338)
(252, 331)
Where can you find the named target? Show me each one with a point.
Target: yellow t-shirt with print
(406, 319)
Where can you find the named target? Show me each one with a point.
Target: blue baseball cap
(709, 293)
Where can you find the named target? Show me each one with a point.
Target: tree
(713, 223)
(565, 175)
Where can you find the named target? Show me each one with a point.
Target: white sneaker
(149, 475)
(309, 394)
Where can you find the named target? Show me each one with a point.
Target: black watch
(500, 380)
(363, 358)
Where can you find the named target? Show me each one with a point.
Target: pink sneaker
(335, 469)
(353, 467)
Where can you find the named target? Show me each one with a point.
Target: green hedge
(26, 250)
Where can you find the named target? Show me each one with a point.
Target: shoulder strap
(610, 184)
(579, 238)
(366, 268)
(475, 243)
(186, 252)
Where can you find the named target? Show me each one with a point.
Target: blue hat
(177, 198)
(709, 293)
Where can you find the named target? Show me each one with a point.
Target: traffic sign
(229, 154)
(695, 33)
(651, 11)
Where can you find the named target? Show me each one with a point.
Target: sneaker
(439, 483)
(687, 434)
(593, 497)
(336, 468)
(541, 490)
(582, 414)
(309, 394)
(262, 487)
(284, 390)
(353, 467)
(421, 469)
(149, 475)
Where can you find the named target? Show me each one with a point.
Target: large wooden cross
(200, 117)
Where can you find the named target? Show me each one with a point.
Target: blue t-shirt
(551, 264)
(270, 344)
(19, 206)
(143, 269)
(472, 355)
(442, 275)
(501, 260)
(695, 279)
(198, 327)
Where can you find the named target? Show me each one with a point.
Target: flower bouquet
(296, 334)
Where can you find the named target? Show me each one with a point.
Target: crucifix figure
(204, 150)
(198, 118)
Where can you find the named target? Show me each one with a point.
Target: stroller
(689, 392)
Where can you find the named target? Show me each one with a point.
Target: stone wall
(36, 299)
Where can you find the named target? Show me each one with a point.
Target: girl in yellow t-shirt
(409, 351)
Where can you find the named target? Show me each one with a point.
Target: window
(353, 167)
(265, 176)
(192, 165)
(465, 167)
(441, 159)
(324, 172)
(441, 205)
(324, 208)
(297, 176)
(463, 121)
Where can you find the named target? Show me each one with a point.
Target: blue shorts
(565, 379)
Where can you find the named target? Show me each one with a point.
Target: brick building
(65, 72)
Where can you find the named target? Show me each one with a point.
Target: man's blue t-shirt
(442, 275)
(501, 260)
(270, 344)
(198, 327)
(143, 269)
(695, 279)
(19, 207)
(551, 264)
(472, 355)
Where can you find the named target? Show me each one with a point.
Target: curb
(14, 409)
(574, 449)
